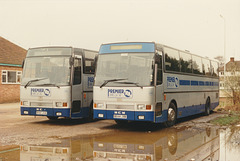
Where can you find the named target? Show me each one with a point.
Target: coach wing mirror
(153, 64)
(71, 61)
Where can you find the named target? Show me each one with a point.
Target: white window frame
(18, 75)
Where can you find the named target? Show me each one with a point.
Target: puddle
(166, 144)
(9, 153)
(230, 143)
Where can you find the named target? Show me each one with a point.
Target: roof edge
(10, 65)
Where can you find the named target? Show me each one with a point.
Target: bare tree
(232, 84)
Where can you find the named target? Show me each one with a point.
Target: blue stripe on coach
(197, 83)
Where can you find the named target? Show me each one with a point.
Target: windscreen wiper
(49, 84)
(34, 80)
(110, 80)
(136, 84)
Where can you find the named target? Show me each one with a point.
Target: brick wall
(9, 92)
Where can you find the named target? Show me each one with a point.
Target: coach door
(77, 87)
(159, 86)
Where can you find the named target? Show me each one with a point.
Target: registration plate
(38, 159)
(119, 146)
(41, 112)
(120, 116)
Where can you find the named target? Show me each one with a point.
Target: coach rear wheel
(207, 107)
(172, 115)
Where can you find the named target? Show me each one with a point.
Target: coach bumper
(124, 115)
(37, 111)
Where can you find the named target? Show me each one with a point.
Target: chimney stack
(232, 59)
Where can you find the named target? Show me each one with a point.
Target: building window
(221, 84)
(11, 77)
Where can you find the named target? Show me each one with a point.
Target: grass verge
(230, 119)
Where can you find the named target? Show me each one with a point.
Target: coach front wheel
(172, 115)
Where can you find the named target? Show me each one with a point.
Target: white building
(231, 80)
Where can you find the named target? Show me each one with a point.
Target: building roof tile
(231, 65)
(11, 53)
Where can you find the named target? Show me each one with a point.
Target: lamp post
(224, 57)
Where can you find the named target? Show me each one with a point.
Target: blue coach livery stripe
(201, 83)
(66, 112)
(194, 83)
(184, 82)
(197, 83)
(150, 115)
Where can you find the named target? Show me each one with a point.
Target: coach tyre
(90, 113)
(172, 115)
(207, 107)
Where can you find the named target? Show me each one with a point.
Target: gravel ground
(17, 130)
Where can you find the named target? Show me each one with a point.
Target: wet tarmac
(165, 144)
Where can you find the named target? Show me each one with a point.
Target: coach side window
(77, 71)
(214, 68)
(206, 67)
(89, 62)
(186, 62)
(197, 65)
(158, 61)
(172, 60)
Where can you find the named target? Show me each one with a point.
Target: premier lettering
(40, 92)
(37, 90)
(115, 91)
(172, 82)
(120, 93)
(171, 79)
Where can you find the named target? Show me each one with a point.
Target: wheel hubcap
(171, 114)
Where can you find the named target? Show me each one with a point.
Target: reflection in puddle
(166, 144)
(230, 144)
(67, 150)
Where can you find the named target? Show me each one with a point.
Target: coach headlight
(144, 107)
(61, 104)
(98, 105)
(24, 103)
(141, 107)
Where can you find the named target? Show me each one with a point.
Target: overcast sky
(193, 25)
